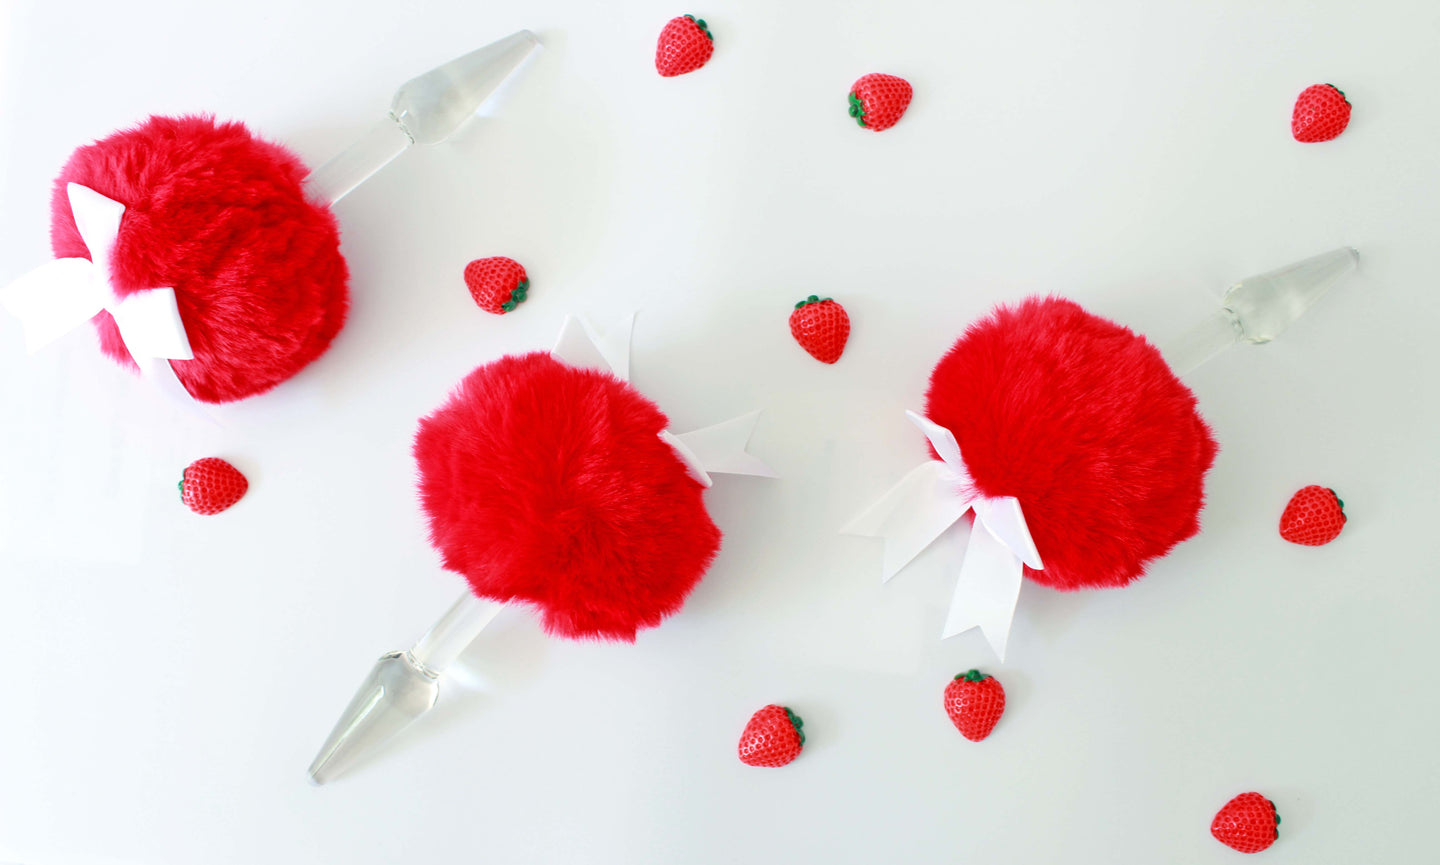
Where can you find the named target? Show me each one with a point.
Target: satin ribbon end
(998, 640)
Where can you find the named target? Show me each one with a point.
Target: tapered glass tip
(432, 106)
(1265, 305)
(397, 691)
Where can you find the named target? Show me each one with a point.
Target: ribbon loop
(943, 440)
(932, 498)
(1003, 517)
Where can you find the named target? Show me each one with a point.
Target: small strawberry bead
(1321, 113)
(974, 702)
(210, 485)
(497, 284)
(1248, 823)
(685, 45)
(1314, 517)
(772, 738)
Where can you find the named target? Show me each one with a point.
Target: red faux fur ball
(1083, 422)
(223, 218)
(549, 484)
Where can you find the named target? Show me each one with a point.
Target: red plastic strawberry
(210, 485)
(685, 45)
(821, 327)
(1248, 823)
(1314, 517)
(498, 284)
(877, 101)
(1321, 113)
(772, 738)
(974, 702)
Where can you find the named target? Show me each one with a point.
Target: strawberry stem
(704, 28)
(857, 108)
(796, 723)
(973, 676)
(812, 299)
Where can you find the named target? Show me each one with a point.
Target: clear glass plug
(1259, 308)
(401, 687)
(427, 109)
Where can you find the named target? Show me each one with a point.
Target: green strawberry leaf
(857, 108)
(704, 28)
(796, 723)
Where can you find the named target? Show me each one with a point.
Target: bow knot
(932, 498)
(57, 297)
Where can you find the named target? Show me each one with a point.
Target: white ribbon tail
(986, 592)
(614, 345)
(720, 448)
(576, 348)
(609, 353)
(911, 515)
(54, 299)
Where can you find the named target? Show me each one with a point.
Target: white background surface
(168, 678)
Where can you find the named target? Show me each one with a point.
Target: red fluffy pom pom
(222, 217)
(549, 484)
(1083, 422)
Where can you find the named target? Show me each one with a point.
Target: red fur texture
(548, 484)
(221, 217)
(1083, 422)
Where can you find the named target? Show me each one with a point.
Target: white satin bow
(61, 295)
(931, 499)
(720, 448)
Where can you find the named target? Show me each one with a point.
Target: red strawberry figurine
(1321, 113)
(974, 702)
(877, 101)
(498, 284)
(1314, 517)
(772, 738)
(821, 327)
(210, 485)
(1248, 823)
(685, 45)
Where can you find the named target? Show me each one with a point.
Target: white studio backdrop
(169, 677)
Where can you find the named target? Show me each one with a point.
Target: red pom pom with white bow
(1084, 423)
(548, 484)
(197, 252)
(1069, 438)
